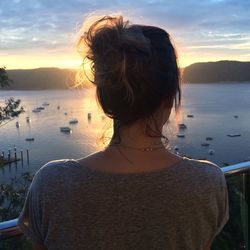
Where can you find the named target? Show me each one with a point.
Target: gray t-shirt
(70, 206)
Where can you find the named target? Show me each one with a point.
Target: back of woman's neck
(136, 136)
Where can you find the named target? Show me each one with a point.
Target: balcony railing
(236, 233)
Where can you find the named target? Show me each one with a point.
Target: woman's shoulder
(55, 172)
(204, 165)
(57, 166)
(206, 171)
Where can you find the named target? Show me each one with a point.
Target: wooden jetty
(4, 161)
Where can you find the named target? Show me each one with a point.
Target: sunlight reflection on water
(50, 143)
(213, 107)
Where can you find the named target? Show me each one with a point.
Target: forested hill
(221, 71)
(41, 78)
(55, 78)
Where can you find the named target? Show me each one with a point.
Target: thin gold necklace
(144, 149)
(124, 156)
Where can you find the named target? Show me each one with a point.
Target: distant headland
(55, 78)
(221, 71)
(41, 79)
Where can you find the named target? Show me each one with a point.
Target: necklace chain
(146, 149)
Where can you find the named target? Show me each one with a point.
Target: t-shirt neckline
(164, 169)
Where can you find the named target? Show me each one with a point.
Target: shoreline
(183, 83)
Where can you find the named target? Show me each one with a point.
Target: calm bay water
(213, 107)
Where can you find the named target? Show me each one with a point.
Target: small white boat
(73, 121)
(211, 152)
(36, 110)
(182, 126)
(17, 124)
(30, 139)
(234, 135)
(45, 104)
(41, 108)
(181, 135)
(65, 129)
(209, 138)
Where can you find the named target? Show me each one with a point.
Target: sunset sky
(42, 33)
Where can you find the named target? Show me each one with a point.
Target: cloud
(195, 25)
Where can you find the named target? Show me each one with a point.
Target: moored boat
(209, 138)
(234, 135)
(41, 108)
(73, 121)
(66, 129)
(182, 126)
(30, 139)
(181, 135)
(211, 151)
(36, 110)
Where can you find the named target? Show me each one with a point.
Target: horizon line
(75, 68)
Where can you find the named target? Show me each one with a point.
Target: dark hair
(134, 67)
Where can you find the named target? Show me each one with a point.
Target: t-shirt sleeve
(30, 219)
(223, 215)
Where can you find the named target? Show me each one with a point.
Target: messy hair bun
(134, 68)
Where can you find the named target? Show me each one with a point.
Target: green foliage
(234, 235)
(12, 196)
(12, 107)
(16, 243)
(4, 79)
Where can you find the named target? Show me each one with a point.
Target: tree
(12, 195)
(12, 107)
(4, 78)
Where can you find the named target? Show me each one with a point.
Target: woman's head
(134, 67)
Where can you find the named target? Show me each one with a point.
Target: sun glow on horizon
(70, 59)
(25, 62)
(61, 61)
(74, 62)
